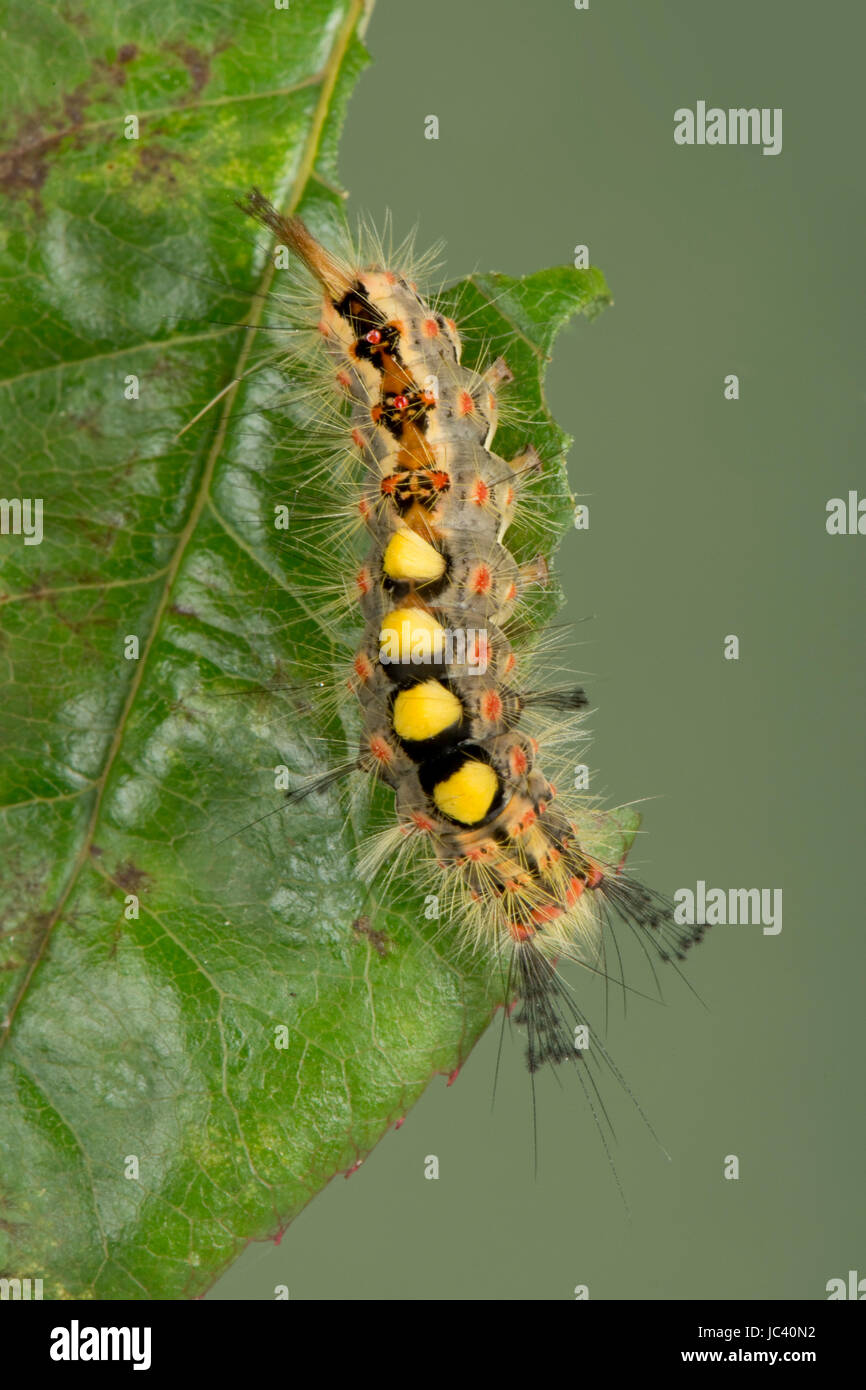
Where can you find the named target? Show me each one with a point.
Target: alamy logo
(417, 644)
(75, 1343)
(712, 907)
(846, 519)
(22, 516)
(739, 125)
(855, 1288)
(20, 1288)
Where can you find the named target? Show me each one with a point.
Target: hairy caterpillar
(447, 710)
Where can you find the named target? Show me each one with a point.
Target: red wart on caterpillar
(446, 717)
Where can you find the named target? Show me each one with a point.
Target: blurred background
(707, 518)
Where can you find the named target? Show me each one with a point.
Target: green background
(707, 518)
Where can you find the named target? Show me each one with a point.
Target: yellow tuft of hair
(467, 795)
(409, 557)
(411, 635)
(425, 710)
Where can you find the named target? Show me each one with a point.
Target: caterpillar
(447, 712)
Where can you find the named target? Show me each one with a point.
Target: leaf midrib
(329, 75)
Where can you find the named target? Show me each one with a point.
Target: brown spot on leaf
(87, 422)
(377, 939)
(101, 536)
(155, 161)
(168, 367)
(78, 19)
(28, 148)
(130, 877)
(24, 167)
(197, 63)
(36, 928)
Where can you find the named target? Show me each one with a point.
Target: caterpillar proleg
(452, 719)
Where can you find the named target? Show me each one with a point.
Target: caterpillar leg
(535, 572)
(498, 373)
(528, 461)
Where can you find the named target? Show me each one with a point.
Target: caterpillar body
(446, 709)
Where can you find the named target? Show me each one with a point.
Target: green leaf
(149, 1124)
